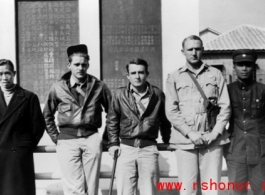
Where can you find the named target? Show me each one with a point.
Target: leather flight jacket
(74, 118)
(125, 123)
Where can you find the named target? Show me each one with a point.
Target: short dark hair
(191, 37)
(137, 61)
(86, 56)
(7, 62)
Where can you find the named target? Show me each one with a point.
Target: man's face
(6, 76)
(78, 67)
(137, 75)
(244, 70)
(192, 51)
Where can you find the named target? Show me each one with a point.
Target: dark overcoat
(21, 127)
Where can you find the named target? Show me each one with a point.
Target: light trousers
(80, 164)
(206, 162)
(137, 162)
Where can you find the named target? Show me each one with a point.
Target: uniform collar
(245, 86)
(203, 66)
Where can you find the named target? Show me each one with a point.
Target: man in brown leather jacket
(245, 155)
(78, 97)
(136, 114)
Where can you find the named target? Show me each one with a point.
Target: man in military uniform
(245, 155)
(199, 149)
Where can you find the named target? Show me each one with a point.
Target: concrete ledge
(52, 149)
(104, 175)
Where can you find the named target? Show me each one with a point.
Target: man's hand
(196, 137)
(112, 150)
(210, 137)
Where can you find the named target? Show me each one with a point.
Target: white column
(89, 32)
(180, 18)
(8, 33)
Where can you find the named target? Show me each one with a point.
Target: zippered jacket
(70, 112)
(125, 123)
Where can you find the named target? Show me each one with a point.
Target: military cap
(243, 55)
(77, 49)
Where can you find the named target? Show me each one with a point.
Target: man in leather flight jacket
(136, 114)
(78, 97)
(245, 155)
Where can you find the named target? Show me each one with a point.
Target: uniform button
(244, 99)
(244, 121)
(244, 110)
(243, 87)
(245, 132)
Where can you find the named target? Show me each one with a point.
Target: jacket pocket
(125, 123)
(64, 108)
(211, 88)
(126, 129)
(257, 105)
(184, 90)
(64, 114)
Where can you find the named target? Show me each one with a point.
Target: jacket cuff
(113, 144)
(166, 140)
(218, 129)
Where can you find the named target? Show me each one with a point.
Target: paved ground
(44, 188)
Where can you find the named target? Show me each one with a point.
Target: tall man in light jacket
(78, 97)
(199, 150)
(136, 114)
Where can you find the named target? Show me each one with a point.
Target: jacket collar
(72, 82)
(17, 99)
(67, 78)
(204, 66)
(245, 86)
(149, 87)
(90, 82)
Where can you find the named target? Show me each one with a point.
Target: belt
(78, 131)
(136, 142)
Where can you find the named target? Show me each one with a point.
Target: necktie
(80, 91)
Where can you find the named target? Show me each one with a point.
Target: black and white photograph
(132, 97)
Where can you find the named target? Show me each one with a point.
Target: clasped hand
(200, 138)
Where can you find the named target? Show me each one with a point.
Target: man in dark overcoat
(21, 127)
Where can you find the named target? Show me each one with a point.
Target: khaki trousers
(80, 163)
(207, 162)
(134, 163)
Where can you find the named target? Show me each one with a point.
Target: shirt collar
(133, 91)
(185, 68)
(73, 83)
